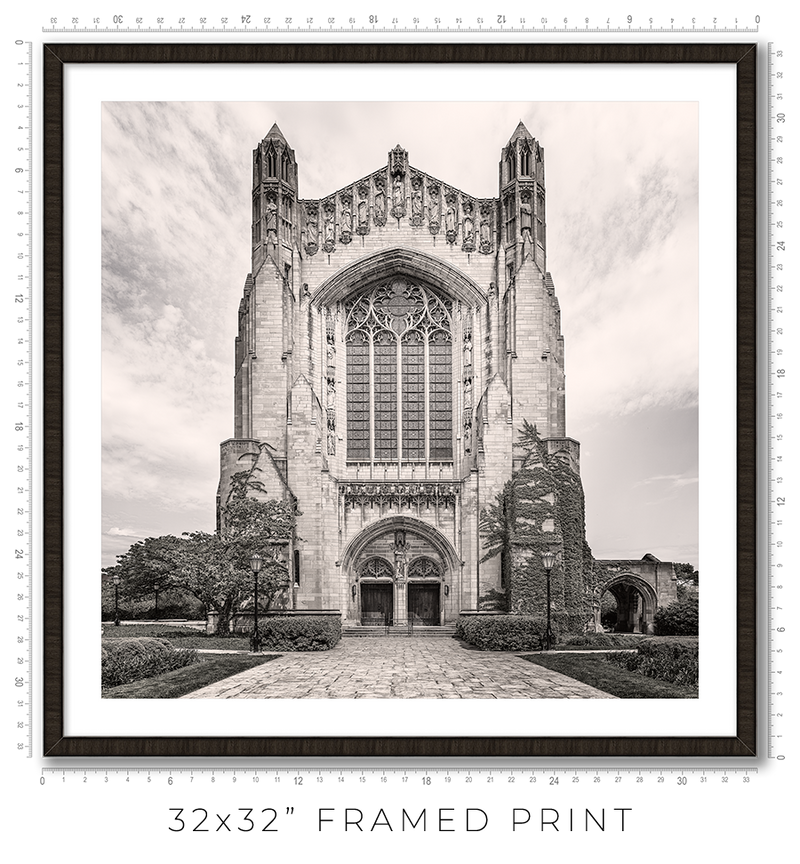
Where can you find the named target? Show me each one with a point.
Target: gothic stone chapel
(394, 340)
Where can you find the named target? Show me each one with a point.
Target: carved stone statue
(469, 229)
(486, 235)
(398, 197)
(450, 218)
(272, 214)
(450, 222)
(346, 224)
(329, 229)
(433, 209)
(416, 203)
(380, 202)
(363, 215)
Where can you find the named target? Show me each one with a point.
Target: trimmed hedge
(605, 640)
(300, 633)
(513, 632)
(675, 661)
(131, 659)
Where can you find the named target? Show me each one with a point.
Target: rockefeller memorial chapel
(395, 341)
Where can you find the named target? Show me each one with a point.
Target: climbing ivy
(541, 508)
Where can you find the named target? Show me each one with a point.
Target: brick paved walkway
(393, 668)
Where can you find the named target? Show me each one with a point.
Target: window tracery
(376, 568)
(424, 568)
(399, 374)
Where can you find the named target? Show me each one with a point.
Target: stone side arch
(642, 587)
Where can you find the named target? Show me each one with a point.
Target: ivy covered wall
(542, 509)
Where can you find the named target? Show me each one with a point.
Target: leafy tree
(688, 580)
(148, 567)
(680, 618)
(687, 574)
(215, 568)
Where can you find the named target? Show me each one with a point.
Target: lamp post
(255, 566)
(548, 560)
(116, 599)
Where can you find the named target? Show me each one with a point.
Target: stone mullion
(457, 369)
(341, 388)
(426, 403)
(399, 385)
(477, 387)
(372, 429)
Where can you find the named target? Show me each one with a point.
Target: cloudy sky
(622, 220)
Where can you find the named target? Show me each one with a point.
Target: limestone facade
(392, 337)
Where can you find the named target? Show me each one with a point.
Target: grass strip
(181, 637)
(179, 682)
(595, 671)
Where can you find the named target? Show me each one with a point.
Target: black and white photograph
(426, 409)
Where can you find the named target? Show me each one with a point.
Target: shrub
(126, 660)
(679, 618)
(605, 640)
(675, 661)
(512, 632)
(300, 633)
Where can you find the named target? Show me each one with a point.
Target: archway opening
(626, 605)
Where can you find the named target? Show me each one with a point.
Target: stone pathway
(392, 668)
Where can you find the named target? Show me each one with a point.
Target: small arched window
(525, 160)
(272, 162)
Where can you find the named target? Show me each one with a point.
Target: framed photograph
(362, 348)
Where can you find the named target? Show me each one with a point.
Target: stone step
(448, 630)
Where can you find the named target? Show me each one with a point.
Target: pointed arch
(271, 160)
(399, 261)
(393, 523)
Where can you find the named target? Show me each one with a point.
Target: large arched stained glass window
(399, 374)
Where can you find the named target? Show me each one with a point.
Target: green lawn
(210, 669)
(593, 669)
(181, 637)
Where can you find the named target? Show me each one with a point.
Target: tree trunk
(224, 619)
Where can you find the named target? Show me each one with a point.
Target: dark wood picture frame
(55, 744)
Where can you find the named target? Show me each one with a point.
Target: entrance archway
(399, 570)
(635, 605)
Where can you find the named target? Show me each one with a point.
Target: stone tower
(394, 336)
